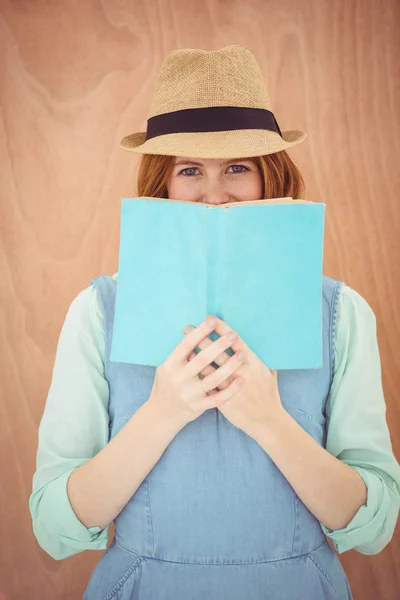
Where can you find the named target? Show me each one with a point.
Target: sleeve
(357, 430)
(74, 428)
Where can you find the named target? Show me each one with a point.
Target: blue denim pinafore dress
(215, 519)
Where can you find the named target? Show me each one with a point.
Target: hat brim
(214, 144)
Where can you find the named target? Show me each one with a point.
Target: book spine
(216, 243)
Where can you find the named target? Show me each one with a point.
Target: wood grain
(75, 77)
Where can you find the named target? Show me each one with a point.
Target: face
(214, 180)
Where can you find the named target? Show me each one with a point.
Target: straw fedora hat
(211, 104)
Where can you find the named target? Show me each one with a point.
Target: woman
(216, 490)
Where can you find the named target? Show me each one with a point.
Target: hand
(258, 400)
(177, 391)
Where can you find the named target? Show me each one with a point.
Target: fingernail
(187, 329)
(211, 322)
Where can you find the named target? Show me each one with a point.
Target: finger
(210, 350)
(191, 340)
(223, 374)
(210, 369)
(222, 327)
(209, 354)
(207, 371)
(220, 359)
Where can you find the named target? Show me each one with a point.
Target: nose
(216, 194)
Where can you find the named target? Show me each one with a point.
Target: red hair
(281, 177)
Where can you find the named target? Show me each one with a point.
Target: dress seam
(213, 564)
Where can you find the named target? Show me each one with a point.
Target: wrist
(271, 427)
(161, 414)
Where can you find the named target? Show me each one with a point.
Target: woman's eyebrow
(224, 162)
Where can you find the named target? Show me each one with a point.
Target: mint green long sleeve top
(74, 428)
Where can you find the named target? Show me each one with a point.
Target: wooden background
(75, 77)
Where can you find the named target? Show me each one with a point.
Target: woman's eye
(188, 169)
(241, 166)
(195, 169)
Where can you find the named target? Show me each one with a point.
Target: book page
(287, 200)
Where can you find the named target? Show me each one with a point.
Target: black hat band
(212, 118)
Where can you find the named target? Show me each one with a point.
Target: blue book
(257, 265)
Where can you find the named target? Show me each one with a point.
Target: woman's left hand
(258, 400)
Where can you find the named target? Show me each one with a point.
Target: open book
(257, 265)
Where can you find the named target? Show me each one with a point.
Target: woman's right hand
(177, 389)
